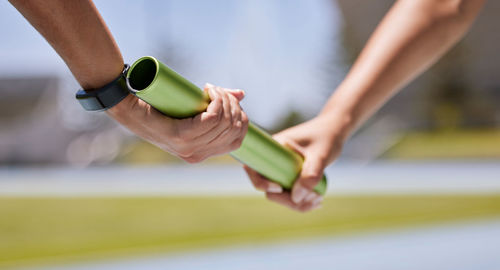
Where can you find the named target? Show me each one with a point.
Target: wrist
(338, 118)
(331, 132)
(105, 97)
(93, 78)
(122, 108)
(350, 104)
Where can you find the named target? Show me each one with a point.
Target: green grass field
(463, 144)
(36, 231)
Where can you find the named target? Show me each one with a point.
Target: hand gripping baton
(175, 96)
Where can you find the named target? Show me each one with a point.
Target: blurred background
(418, 186)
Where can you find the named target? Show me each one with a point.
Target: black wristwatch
(105, 97)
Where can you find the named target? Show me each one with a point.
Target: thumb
(312, 171)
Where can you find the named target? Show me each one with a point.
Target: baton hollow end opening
(142, 73)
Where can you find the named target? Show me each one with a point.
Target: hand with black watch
(84, 42)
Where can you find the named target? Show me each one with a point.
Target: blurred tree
(291, 118)
(454, 102)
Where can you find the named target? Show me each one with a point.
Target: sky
(274, 50)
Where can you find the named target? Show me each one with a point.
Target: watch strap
(105, 97)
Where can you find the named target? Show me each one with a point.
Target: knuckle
(237, 125)
(215, 102)
(235, 111)
(244, 118)
(309, 183)
(311, 175)
(230, 97)
(210, 117)
(219, 100)
(216, 97)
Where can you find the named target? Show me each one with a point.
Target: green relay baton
(175, 96)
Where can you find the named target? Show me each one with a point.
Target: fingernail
(299, 193)
(209, 85)
(274, 188)
(310, 197)
(318, 200)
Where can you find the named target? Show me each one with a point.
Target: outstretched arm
(79, 35)
(412, 36)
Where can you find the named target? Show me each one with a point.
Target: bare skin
(79, 35)
(412, 36)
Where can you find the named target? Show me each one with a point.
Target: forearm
(79, 35)
(76, 31)
(411, 37)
